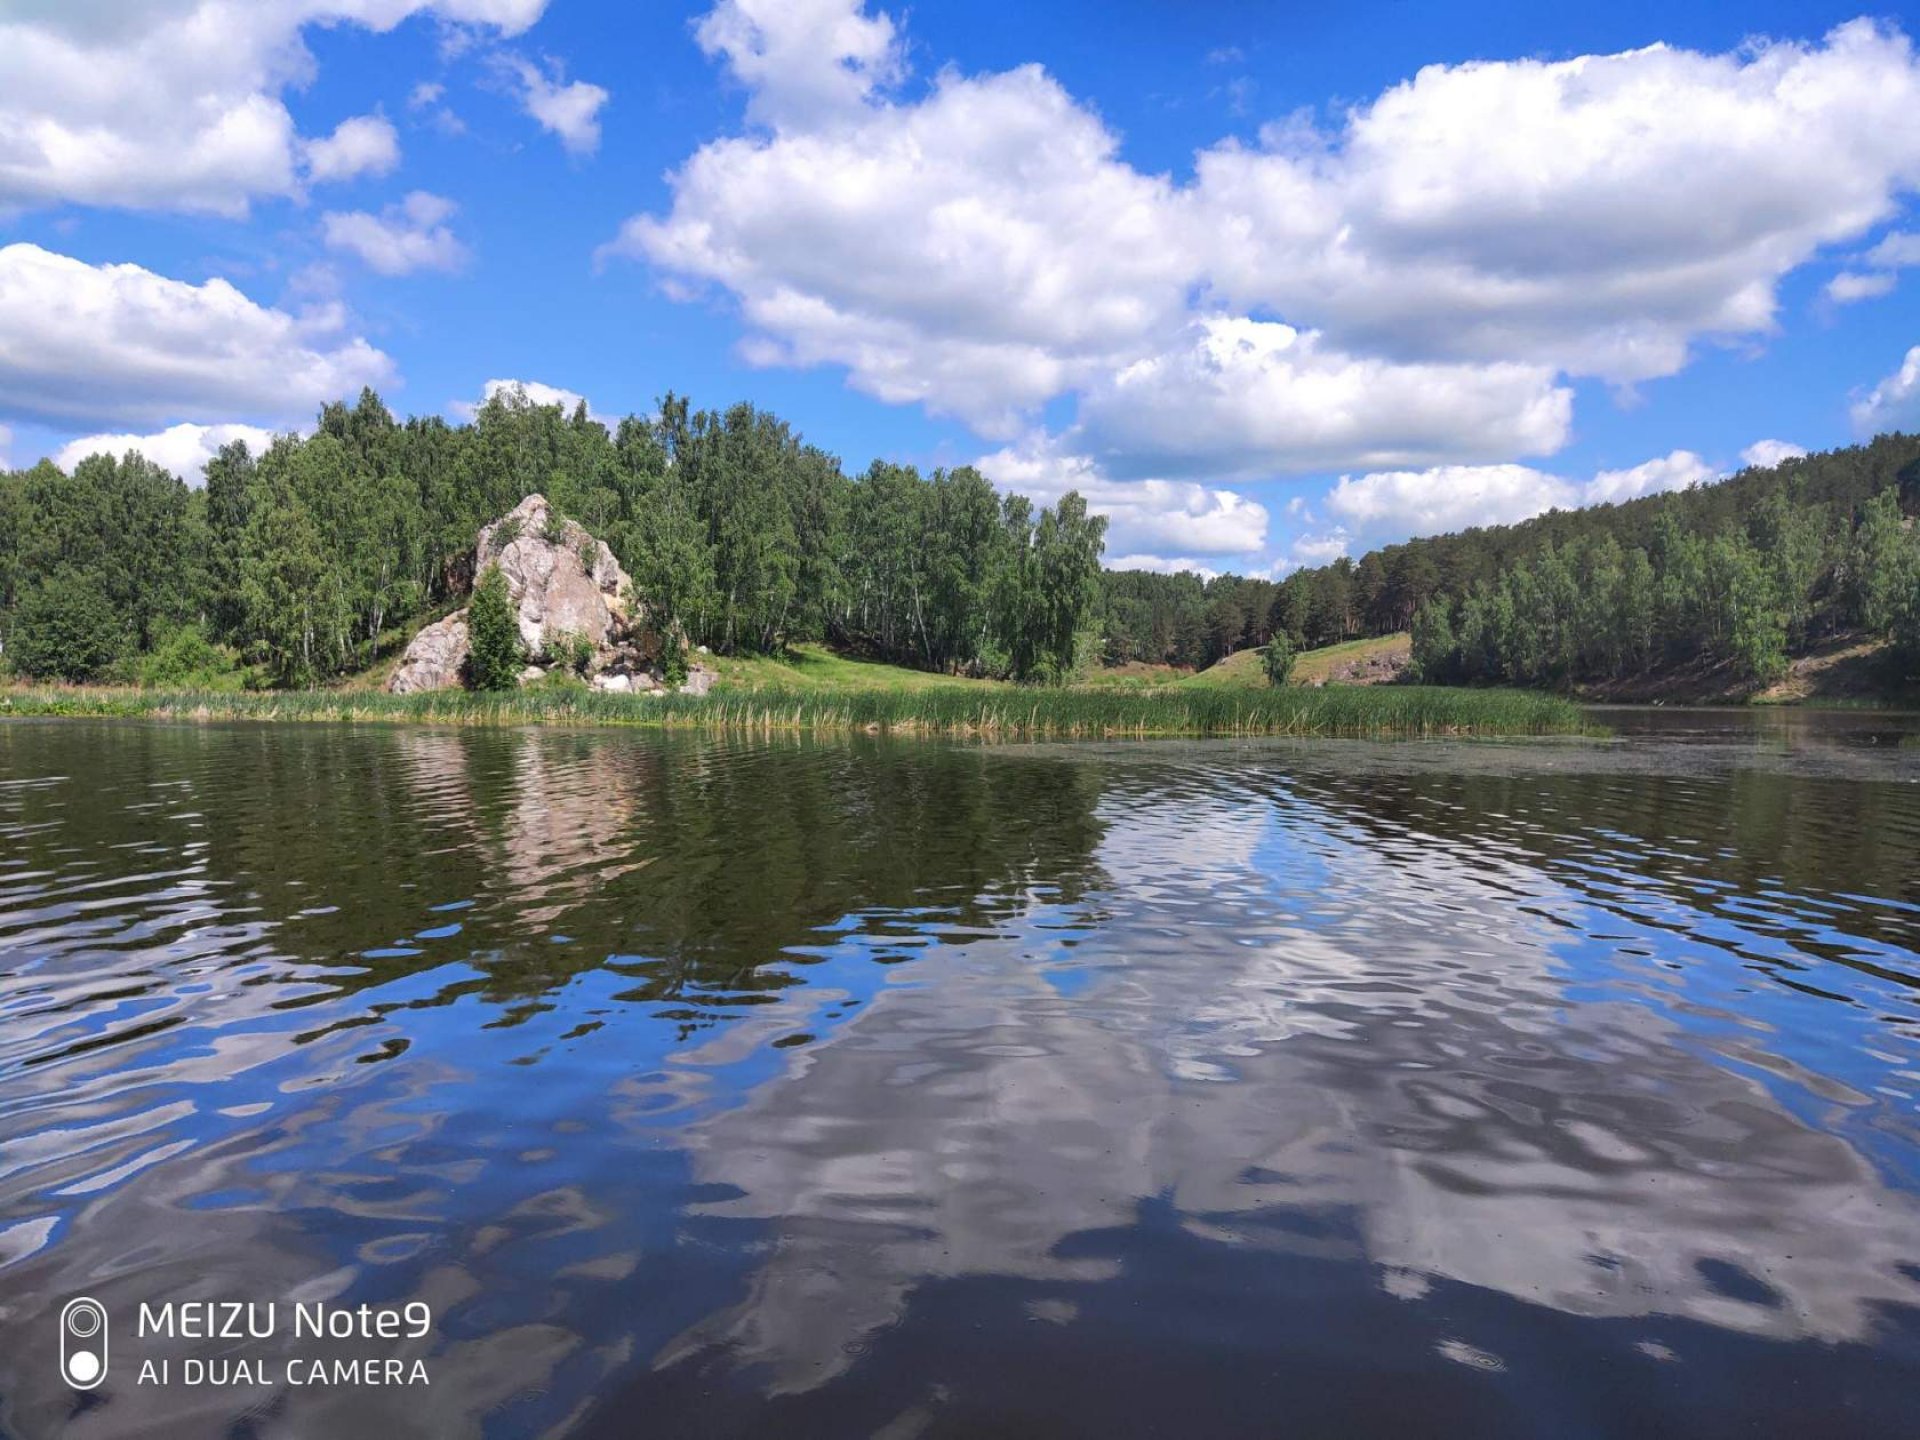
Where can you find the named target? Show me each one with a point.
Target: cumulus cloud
(1894, 403)
(1170, 518)
(364, 145)
(804, 62)
(183, 449)
(1446, 498)
(1387, 506)
(539, 394)
(176, 104)
(1551, 212)
(1463, 241)
(1670, 472)
(111, 345)
(1247, 396)
(412, 235)
(569, 110)
(978, 252)
(1765, 454)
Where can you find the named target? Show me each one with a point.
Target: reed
(1001, 712)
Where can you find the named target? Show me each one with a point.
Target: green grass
(962, 709)
(807, 668)
(1244, 670)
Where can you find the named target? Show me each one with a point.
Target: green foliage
(568, 649)
(1276, 659)
(673, 662)
(65, 629)
(1742, 572)
(978, 711)
(1436, 653)
(185, 658)
(493, 635)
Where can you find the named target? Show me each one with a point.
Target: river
(728, 1087)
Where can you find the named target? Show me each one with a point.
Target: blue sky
(1266, 281)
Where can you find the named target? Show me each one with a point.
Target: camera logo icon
(83, 1343)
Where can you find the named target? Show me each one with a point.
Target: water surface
(788, 1088)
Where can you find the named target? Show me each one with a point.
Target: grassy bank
(999, 712)
(1351, 662)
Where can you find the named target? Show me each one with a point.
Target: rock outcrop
(436, 660)
(569, 595)
(562, 580)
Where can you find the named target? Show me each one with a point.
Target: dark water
(906, 1090)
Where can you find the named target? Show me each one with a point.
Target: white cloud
(1896, 250)
(978, 252)
(1765, 454)
(1387, 506)
(183, 449)
(1460, 242)
(426, 93)
(1161, 564)
(539, 394)
(176, 104)
(1894, 403)
(1317, 549)
(1164, 517)
(119, 345)
(1447, 498)
(570, 111)
(1553, 212)
(1670, 472)
(412, 235)
(6, 442)
(1247, 396)
(805, 62)
(364, 145)
(1852, 285)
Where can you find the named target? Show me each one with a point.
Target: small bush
(570, 650)
(184, 658)
(1276, 659)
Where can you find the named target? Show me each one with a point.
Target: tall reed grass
(1003, 712)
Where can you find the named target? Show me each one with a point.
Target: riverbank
(1001, 712)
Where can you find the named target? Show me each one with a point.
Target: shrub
(493, 635)
(570, 650)
(184, 658)
(673, 661)
(1276, 658)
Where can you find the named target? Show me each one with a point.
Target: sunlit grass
(810, 667)
(1245, 670)
(967, 709)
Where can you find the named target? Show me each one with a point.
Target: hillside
(1375, 660)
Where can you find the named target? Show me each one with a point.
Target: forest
(312, 560)
(1747, 571)
(315, 559)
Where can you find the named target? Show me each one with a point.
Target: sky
(1267, 283)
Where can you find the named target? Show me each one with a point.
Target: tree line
(1745, 571)
(312, 559)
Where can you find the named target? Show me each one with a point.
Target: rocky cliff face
(565, 584)
(562, 580)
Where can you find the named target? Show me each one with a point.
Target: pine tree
(493, 635)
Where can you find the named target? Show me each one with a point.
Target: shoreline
(1411, 712)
